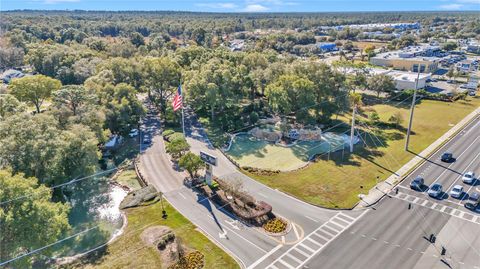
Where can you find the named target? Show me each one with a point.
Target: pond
(94, 204)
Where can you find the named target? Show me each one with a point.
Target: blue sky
(245, 5)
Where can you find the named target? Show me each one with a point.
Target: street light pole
(352, 130)
(412, 108)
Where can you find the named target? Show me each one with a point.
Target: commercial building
(327, 47)
(403, 80)
(410, 59)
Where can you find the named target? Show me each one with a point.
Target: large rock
(138, 197)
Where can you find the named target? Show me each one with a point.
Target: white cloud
(451, 6)
(469, 1)
(217, 5)
(255, 8)
(59, 1)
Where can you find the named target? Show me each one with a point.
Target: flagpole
(183, 114)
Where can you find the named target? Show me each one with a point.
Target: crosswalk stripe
(293, 258)
(286, 264)
(333, 228)
(346, 216)
(314, 242)
(338, 224)
(301, 252)
(327, 232)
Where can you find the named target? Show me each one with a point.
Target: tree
(35, 146)
(34, 89)
(448, 46)
(137, 39)
(370, 51)
(9, 105)
(374, 118)
(396, 119)
(177, 147)
(124, 110)
(71, 96)
(192, 163)
(31, 222)
(162, 77)
(381, 83)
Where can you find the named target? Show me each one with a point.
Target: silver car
(456, 191)
(469, 177)
(435, 190)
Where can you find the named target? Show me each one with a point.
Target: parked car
(469, 177)
(133, 133)
(447, 157)
(417, 183)
(435, 190)
(147, 140)
(457, 191)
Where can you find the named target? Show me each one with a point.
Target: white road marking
(257, 262)
(464, 171)
(286, 264)
(336, 223)
(374, 239)
(293, 258)
(448, 167)
(261, 194)
(182, 195)
(310, 218)
(302, 252)
(321, 246)
(308, 248)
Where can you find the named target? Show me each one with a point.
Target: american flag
(177, 100)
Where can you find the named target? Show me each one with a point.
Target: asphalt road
(249, 245)
(394, 236)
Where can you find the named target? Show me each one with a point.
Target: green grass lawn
(129, 251)
(336, 183)
(129, 178)
(249, 151)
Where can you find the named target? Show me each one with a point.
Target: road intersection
(388, 235)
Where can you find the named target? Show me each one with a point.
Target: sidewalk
(382, 188)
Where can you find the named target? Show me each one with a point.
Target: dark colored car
(447, 157)
(417, 183)
(474, 206)
(147, 140)
(474, 196)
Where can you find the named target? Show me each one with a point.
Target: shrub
(275, 225)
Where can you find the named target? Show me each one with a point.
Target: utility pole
(412, 108)
(352, 130)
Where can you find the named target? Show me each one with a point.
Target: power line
(59, 185)
(47, 246)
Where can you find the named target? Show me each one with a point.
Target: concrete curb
(377, 193)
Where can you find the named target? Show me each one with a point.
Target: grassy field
(129, 251)
(336, 183)
(249, 151)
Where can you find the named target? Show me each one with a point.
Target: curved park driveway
(251, 247)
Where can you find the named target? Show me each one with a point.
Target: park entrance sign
(210, 161)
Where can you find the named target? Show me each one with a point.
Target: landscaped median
(337, 181)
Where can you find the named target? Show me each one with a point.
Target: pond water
(94, 204)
